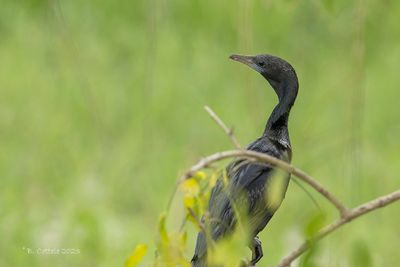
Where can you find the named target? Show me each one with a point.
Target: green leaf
(276, 189)
(314, 223)
(229, 251)
(360, 255)
(308, 259)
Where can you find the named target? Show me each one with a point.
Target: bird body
(249, 183)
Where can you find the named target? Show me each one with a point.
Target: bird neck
(277, 125)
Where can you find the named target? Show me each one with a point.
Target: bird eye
(261, 64)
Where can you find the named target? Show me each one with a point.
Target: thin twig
(352, 214)
(228, 131)
(273, 161)
(198, 221)
(313, 200)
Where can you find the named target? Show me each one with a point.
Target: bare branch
(203, 163)
(228, 131)
(350, 215)
(197, 220)
(346, 215)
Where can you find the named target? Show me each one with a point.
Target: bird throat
(277, 124)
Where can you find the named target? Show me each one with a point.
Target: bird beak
(248, 60)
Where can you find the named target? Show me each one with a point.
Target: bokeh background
(101, 107)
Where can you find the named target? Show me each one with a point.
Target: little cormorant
(248, 181)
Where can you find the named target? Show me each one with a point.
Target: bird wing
(246, 185)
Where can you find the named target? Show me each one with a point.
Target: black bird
(248, 182)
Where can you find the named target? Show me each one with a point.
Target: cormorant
(248, 182)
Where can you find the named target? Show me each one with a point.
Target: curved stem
(264, 158)
(352, 214)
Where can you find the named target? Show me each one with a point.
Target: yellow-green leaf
(213, 180)
(190, 186)
(200, 175)
(137, 255)
(189, 201)
(225, 178)
(229, 251)
(276, 189)
(183, 239)
(162, 229)
(184, 263)
(314, 223)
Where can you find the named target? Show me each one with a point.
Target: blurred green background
(101, 107)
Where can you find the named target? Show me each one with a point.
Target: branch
(197, 220)
(346, 215)
(264, 158)
(352, 214)
(228, 131)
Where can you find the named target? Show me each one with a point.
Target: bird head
(277, 71)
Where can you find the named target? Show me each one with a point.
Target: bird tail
(200, 254)
(199, 261)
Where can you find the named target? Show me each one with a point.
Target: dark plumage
(248, 181)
